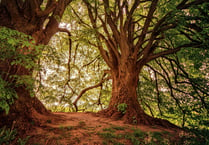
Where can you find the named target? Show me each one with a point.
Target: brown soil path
(88, 129)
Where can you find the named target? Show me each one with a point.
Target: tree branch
(129, 16)
(49, 8)
(184, 5)
(110, 21)
(53, 24)
(158, 93)
(88, 88)
(147, 23)
(171, 51)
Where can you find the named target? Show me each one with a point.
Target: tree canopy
(143, 59)
(160, 40)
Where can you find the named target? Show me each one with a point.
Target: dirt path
(89, 129)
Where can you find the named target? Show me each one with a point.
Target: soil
(86, 128)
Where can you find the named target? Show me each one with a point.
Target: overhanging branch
(87, 89)
(171, 51)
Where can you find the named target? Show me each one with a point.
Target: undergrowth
(138, 137)
(122, 135)
(9, 136)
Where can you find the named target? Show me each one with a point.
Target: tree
(132, 33)
(39, 19)
(71, 83)
(176, 88)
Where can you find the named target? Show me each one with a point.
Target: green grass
(157, 135)
(195, 137)
(108, 129)
(70, 128)
(136, 137)
(49, 121)
(118, 127)
(22, 141)
(106, 135)
(81, 124)
(7, 135)
(139, 134)
(65, 128)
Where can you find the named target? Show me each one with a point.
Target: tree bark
(124, 84)
(130, 43)
(27, 17)
(25, 109)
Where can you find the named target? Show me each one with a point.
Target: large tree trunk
(26, 110)
(124, 95)
(28, 17)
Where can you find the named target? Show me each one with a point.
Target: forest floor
(91, 129)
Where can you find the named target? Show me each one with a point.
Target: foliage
(64, 74)
(7, 135)
(136, 137)
(23, 141)
(195, 137)
(122, 107)
(118, 127)
(180, 89)
(108, 129)
(16, 50)
(7, 96)
(173, 87)
(18, 47)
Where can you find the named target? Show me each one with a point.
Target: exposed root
(25, 113)
(137, 117)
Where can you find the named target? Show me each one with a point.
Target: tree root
(137, 117)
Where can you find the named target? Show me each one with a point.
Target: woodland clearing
(86, 128)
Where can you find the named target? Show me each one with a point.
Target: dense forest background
(133, 60)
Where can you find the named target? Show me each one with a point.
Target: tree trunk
(27, 17)
(26, 110)
(124, 103)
